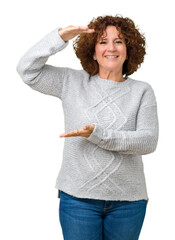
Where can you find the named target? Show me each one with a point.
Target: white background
(31, 122)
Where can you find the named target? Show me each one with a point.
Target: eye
(116, 42)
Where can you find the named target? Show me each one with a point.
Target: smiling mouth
(110, 57)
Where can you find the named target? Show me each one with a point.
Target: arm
(31, 67)
(140, 142)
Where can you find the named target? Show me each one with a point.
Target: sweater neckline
(112, 83)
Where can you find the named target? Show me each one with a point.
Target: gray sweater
(108, 164)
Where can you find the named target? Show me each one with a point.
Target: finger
(62, 135)
(65, 134)
(89, 127)
(84, 29)
(88, 31)
(77, 28)
(70, 134)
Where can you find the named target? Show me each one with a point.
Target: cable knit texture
(108, 164)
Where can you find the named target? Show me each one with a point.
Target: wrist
(61, 35)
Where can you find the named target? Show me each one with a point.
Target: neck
(111, 75)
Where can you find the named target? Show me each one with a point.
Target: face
(110, 51)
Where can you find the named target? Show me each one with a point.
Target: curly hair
(84, 44)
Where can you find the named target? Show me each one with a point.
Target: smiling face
(110, 51)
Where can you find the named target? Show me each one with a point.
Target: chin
(111, 69)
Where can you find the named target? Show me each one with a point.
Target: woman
(110, 122)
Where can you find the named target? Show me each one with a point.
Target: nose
(111, 47)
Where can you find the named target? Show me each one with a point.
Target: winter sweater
(108, 164)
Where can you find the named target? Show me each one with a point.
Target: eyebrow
(107, 38)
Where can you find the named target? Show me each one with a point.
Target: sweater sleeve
(34, 72)
(139, 142)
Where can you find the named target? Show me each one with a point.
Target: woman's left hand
(83, 132)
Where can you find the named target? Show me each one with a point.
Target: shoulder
(142, 87)
(145, 90)
(141, 84)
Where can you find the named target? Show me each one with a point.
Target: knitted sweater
(108, 164)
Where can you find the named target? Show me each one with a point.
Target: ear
(94, 57)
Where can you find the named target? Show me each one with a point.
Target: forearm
(32, 62)
(126, 142)
(141, 141)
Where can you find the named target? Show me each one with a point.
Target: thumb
(86, 127)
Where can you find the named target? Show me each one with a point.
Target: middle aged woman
(110, 122)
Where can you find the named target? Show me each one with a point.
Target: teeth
(111, 56)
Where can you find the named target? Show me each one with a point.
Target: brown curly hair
(84, 44)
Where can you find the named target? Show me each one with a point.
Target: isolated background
(31, 122)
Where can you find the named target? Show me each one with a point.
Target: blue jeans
(92, 219)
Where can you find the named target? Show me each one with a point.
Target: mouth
(111, 56)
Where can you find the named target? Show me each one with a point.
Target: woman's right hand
(71, 31)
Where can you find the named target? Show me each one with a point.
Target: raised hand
(71, 31)
(83, 132)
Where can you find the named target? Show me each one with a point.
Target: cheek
(123, 51)
(99, 51)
